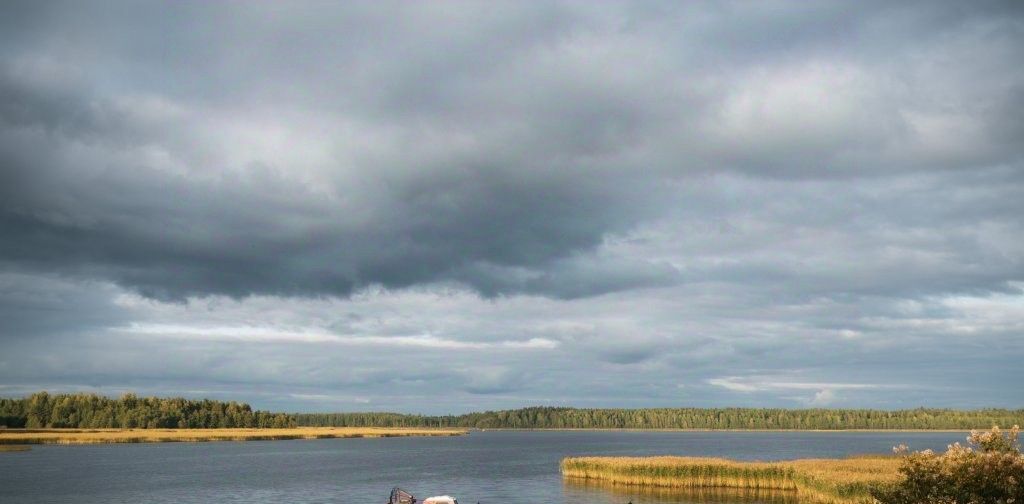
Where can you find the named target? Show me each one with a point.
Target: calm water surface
(487, 467)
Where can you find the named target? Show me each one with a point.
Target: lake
(486, 467)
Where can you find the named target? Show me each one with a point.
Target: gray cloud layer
(699, 192)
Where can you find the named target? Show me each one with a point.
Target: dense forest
(683, 418)
(93, 411)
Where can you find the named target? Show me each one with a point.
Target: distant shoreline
(78, 436)
(21, 437)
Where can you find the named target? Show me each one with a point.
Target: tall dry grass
(839, 481)
(94, 436)
(590, 490)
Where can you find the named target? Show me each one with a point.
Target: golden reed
(584, 490)
(833, 481)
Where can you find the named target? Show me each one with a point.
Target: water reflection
(583, 491)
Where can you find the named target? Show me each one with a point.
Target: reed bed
(590, 490)
(845, 480)
(96, 436)
(831, 481)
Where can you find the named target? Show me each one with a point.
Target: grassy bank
(93, 436)
(839, 481)
(13, 448)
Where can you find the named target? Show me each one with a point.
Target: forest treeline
(682, 418)
(43, 410)
(92, 411)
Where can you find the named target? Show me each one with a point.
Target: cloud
(823, 397)
(503, 165)
(731, 384)
(489, 380)
(273, 335)
(755, 384)
(459, 351)
(336, 399)
(564, 203)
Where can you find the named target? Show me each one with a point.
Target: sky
(441, 207)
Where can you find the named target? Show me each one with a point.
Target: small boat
(399, 496)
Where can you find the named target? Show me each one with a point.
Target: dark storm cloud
(81, 198)
(190, 150)
(33, 306)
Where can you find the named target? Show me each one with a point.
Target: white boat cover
(442, 499)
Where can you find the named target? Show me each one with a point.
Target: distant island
(90, 411)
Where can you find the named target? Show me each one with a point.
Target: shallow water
(487, 467)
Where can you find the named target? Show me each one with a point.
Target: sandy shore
(93, 436)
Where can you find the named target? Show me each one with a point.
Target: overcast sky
(445, 207)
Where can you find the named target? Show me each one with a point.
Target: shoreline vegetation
(831, 481)
(44, 410)
(11, 439)
(629, 493)
(695, 419)
(990, 468)
(637, 429)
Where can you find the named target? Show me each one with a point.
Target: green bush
(989, 471)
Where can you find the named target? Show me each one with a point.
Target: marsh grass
(718, 495)
(14, 448)
(839, 481)
(95, 436)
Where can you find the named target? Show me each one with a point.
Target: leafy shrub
(988, 471)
